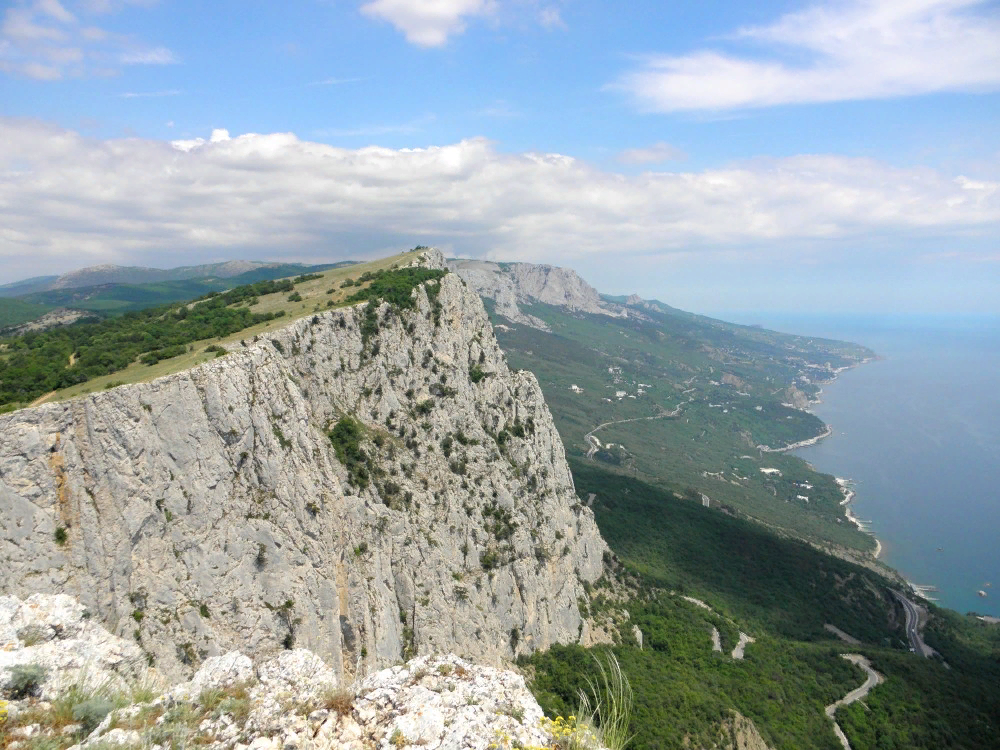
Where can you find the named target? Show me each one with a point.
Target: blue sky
(717, 155)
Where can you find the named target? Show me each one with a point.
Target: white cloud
(427, 23)
(655, 154)
(149, 94)
(71, 201)
(154, 56)
(551, 18)
(335, 81)
(42, 39)
(54, 9)
(855, 49)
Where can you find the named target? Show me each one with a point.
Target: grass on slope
(310, 296)
(13, 312)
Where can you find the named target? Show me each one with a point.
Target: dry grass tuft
(338, 700)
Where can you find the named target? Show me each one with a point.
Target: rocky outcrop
(293, 700)
(208, 511)
(58, 635)
(52, 319)
(737, 732)
(512, 284)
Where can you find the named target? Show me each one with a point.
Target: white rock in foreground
(433, 702)
(56, 633)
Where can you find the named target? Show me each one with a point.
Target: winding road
(872, 679)
(594, 445)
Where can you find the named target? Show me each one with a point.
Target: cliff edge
(208, 511)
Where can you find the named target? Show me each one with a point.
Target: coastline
(862, 526)
(828, 429)
(845, 484)
(801, 444)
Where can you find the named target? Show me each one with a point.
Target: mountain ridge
(110, 273)
(210, 508)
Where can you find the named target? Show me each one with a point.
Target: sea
(917, 433)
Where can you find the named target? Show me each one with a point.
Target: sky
(838, 155)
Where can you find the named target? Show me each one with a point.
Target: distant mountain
(112, 274)
(26, 286)
(512, 284)
(116, 297)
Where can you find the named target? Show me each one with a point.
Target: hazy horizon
(839, 153)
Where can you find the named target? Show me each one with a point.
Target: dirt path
(42, 399)
(872, 679)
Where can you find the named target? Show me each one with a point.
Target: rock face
(207, 511)
(59, 635)
(511, 284)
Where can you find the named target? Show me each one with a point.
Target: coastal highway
(913, 626)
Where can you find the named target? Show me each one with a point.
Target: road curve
(917, 644)
(593, 445)
(872, 678)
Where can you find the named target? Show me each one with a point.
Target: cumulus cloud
(70, 200)
(46, 41)
(655, 154)
(427, 23)
(837, 51)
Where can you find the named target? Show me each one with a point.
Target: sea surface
(918, 433)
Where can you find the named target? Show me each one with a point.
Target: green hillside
(781, 592)
(115, 299)
(153, 341)
(686, 403)
(14, 311)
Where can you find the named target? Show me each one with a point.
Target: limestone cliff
(513, 284)
(207, 511)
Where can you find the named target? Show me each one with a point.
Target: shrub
(346, 438)
(294, 297)
(61, 536)
(339, 700)
(91, 712)
(26, 680)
